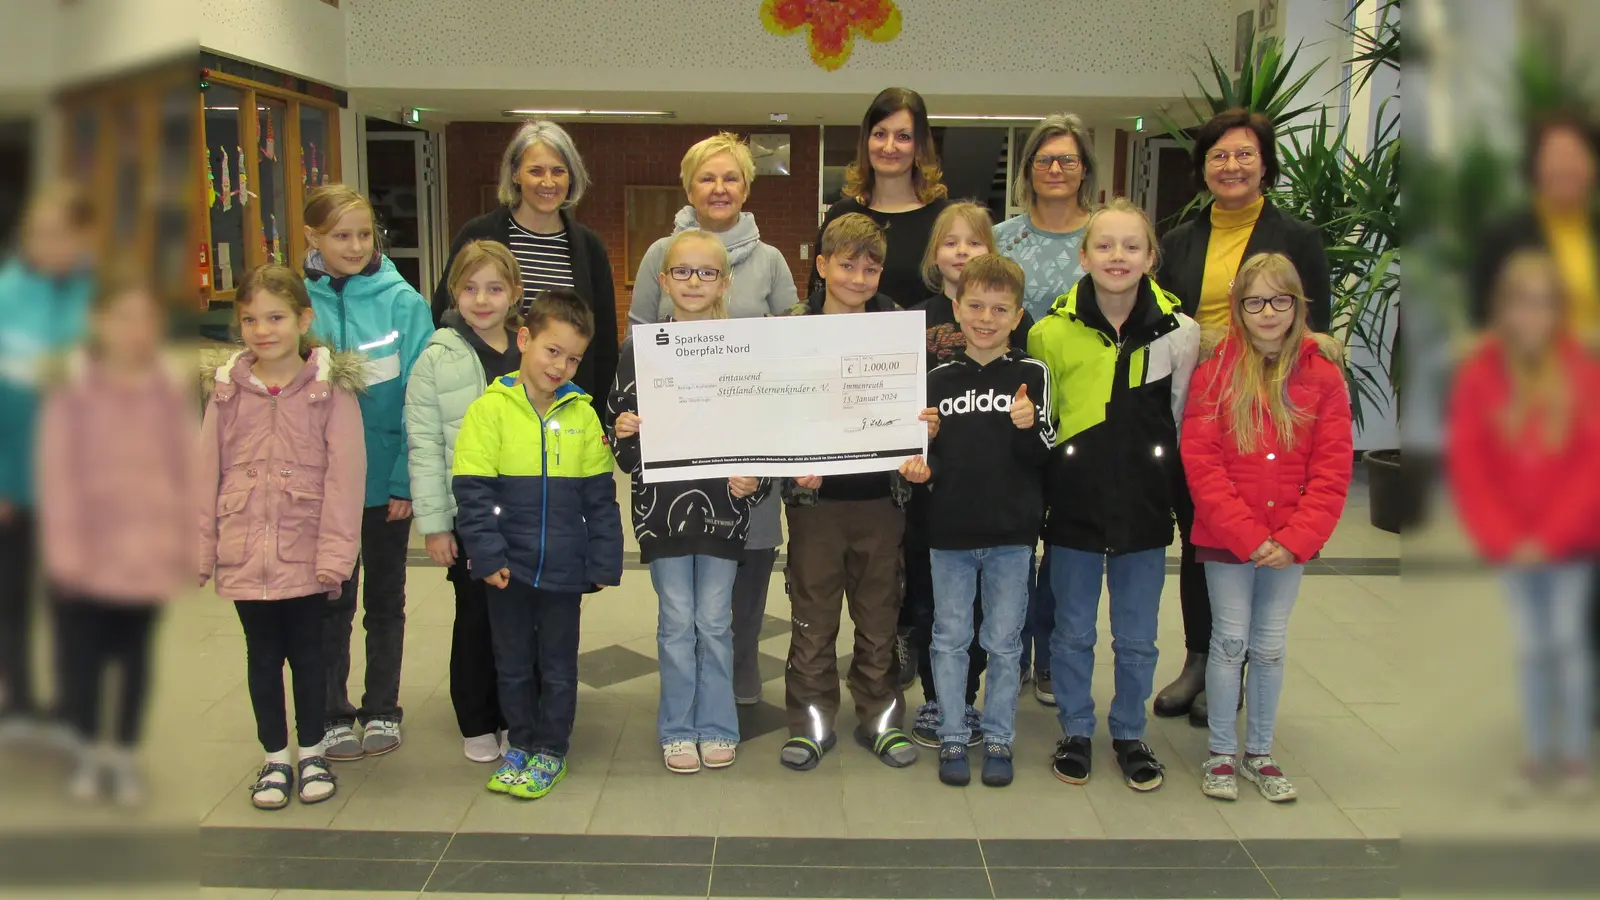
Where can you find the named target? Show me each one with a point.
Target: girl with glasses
(1267, 448)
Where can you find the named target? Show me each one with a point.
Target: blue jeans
(1550, 608)
(535, 637)
(694, 642)
(1005, 605)
(1249, 617)
(1134, 582)
(1040, 625)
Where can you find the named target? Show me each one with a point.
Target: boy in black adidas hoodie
(985, 473)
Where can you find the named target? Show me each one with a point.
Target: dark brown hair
(281, 282)
(859, 177)
(1222, 123)
(851, 235)
(991, 270)
(559, 305)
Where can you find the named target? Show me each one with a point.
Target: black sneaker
(925, 730)
(953, 766)
(1140, 768)
(1072, 760)
(905, 658)
(997, 765)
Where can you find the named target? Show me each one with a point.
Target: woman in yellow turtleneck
(1236, 155)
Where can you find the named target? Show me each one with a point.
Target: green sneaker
(509, 772)
(539, 778)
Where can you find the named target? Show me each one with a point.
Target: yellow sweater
(1572, 243)
(1230, 232)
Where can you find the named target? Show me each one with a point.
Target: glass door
(399, 175)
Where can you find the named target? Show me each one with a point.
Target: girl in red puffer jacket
(1267, 448)
(1523, 437)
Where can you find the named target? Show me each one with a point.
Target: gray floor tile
(1115, 854)
(607, 848)
(318, 843)
(784, 881)
(125, 857)
(612, 665)
(761, 719)
(772, 667)
(314, 874)
(569, 878)
(848, 853)
(1334, 883)
(1132, 883)
(772, 626)
(1350, 854)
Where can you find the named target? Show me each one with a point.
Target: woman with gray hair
(542, 178)
(1055, 188)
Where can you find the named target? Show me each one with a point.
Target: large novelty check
(789, 395)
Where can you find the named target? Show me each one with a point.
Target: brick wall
(617, 156)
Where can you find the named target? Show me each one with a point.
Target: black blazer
(1520, 231)
(591, 277)
(1183, 258)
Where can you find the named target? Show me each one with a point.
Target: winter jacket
(591, 278)
(378, 314)
(677, 518)
(115, 525)
(1114, 474)
(40, 315)
(987, 488)
(448, 376)
(1292, 495)
(280, 478)
(762, 285)
(535, 494)
(899, 488)
(1513, 489)
(1184, 248)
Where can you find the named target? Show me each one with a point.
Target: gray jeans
(749, 611)
(383, 557)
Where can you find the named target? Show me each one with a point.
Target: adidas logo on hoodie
(972, 401)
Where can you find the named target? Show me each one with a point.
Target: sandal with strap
(262, 785)
(812, 750)
(1140, 768)
(323, 777)
(891, 746)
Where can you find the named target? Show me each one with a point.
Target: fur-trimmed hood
(343, 370)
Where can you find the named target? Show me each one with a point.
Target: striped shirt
(544, 259)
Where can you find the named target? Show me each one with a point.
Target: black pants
(917, 614)
(1193, 592)
(91, 636)
(536, 655)
(275, 632)
(474, 686)
(383, 559)
(749, 614)
(17, 566)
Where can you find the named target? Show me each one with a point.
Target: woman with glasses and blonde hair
(1266, 448)
(1236, 159)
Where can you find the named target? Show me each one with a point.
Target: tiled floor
(419, 819)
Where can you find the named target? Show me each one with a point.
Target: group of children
(347, 415)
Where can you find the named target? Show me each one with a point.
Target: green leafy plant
(1263, 86)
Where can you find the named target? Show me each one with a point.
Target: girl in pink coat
(282, 476)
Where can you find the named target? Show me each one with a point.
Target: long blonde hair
(977, 219)
(1255, 395)
(719, 306)
(1538, 387)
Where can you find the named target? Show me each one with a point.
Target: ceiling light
(986, 118)
(592, 113)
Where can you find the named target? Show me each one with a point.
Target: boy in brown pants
(844, 541)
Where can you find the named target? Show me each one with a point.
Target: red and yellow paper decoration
(833, 24)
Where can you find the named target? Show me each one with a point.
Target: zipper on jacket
(266, 541)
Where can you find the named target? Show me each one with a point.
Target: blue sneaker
(997, 765)
(539, 778)
(508, 773)
(953, 766)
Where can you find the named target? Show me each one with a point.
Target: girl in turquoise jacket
(363, 305)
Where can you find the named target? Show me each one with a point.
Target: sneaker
(341, 742)
(974, 727)
(381, 736)
(1042, 691)
(485, 748)
(1218, 778)
(508, 773)
(88, 779)
(682, 757)
(1264, 773)
(925, 730)
(540, 777)
(905, 657)
(997, 768)
(953, 766)
(1072, 760)
(127, 779)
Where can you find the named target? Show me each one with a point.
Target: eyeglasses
(1244, 156)
(1281, 303)
(1069, 162)
(682, 273)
